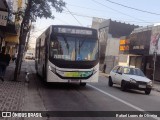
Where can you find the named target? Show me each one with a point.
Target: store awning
(12, 38)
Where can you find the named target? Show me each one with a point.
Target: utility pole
(154, 69)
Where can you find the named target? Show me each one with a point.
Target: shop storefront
(155, 49)
(12, 42)
(141, 47)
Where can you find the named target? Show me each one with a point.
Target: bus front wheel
(82, 84)
(43, 74)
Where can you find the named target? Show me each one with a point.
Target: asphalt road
(97, 97)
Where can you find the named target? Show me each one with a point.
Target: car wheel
(110, 83)
(147, 91)
(123, 85)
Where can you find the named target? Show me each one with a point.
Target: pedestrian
(14, 57)
(104, 68)
(3, 63)
(8, 58)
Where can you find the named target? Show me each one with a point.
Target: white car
(130, 78)
(29, 56)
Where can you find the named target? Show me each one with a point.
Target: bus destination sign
(74, 31)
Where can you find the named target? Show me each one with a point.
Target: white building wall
(112, 53)
(123, 60)
(112, 48)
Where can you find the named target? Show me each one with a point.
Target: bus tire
(43, 74)
(82, 84)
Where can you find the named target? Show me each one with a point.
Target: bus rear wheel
(82, 84)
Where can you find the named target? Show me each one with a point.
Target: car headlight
(149, 83)
(132, 80)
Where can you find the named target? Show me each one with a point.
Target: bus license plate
(74, 81)
(142, 86)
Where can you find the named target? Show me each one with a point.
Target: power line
(86, 7)
(62, 21)
(74, 16)
(119, 11)
(142, 21)
(100, 11)
(133, 8)
(86, 16)
(77, 14)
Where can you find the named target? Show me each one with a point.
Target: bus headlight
(52, 69)
(60, 72)
(95, 70)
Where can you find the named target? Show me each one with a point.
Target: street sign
(3, 18)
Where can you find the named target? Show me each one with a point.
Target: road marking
(120, 100)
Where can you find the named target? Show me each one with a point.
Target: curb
(155, 89)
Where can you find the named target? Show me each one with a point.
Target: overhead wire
(85, 7)
(133, 8)
(62, 21)
(119, 11)
(138, 21)
(86, 16)
(77, 14)
(74, 16)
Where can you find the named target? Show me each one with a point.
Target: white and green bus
(68, 54)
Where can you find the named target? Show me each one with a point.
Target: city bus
(68, 54)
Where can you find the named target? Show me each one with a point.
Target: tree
(34, 9)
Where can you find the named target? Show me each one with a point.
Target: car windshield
(133, 71)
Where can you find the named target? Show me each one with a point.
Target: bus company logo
(6, 114)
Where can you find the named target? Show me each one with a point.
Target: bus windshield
(74, 48)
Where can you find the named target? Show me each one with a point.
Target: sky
(84, 10)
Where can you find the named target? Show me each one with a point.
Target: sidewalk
(19, 96)
(156, 85)
(12, 93)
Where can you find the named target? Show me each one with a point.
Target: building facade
(12, 29)
(109, 36)
(144, 48)
(4, 12)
